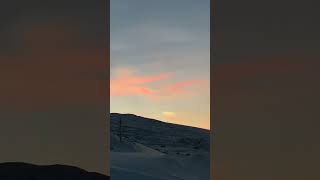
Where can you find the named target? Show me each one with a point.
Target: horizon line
(161, 120)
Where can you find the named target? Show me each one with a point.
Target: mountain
(149, 149)
(24, 171)
(159, 135)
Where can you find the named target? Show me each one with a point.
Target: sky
(265, 74)
(54, 98)
(160, 60)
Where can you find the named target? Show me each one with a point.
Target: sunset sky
(160, 60)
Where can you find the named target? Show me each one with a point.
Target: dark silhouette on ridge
(24, 171)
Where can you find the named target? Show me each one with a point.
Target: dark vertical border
(107, 5)
(211, 88)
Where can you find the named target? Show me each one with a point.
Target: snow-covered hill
(154, 150)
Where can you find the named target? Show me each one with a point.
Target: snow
(153, 150)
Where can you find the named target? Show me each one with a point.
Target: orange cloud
(127, 82)
(169, 115)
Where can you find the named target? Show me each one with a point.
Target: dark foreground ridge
(24, 171)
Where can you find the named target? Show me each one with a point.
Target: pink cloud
(126, 82)
(180, 87)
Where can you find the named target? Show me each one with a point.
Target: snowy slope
(155, 150)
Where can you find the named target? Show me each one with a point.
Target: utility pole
(120, 129)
